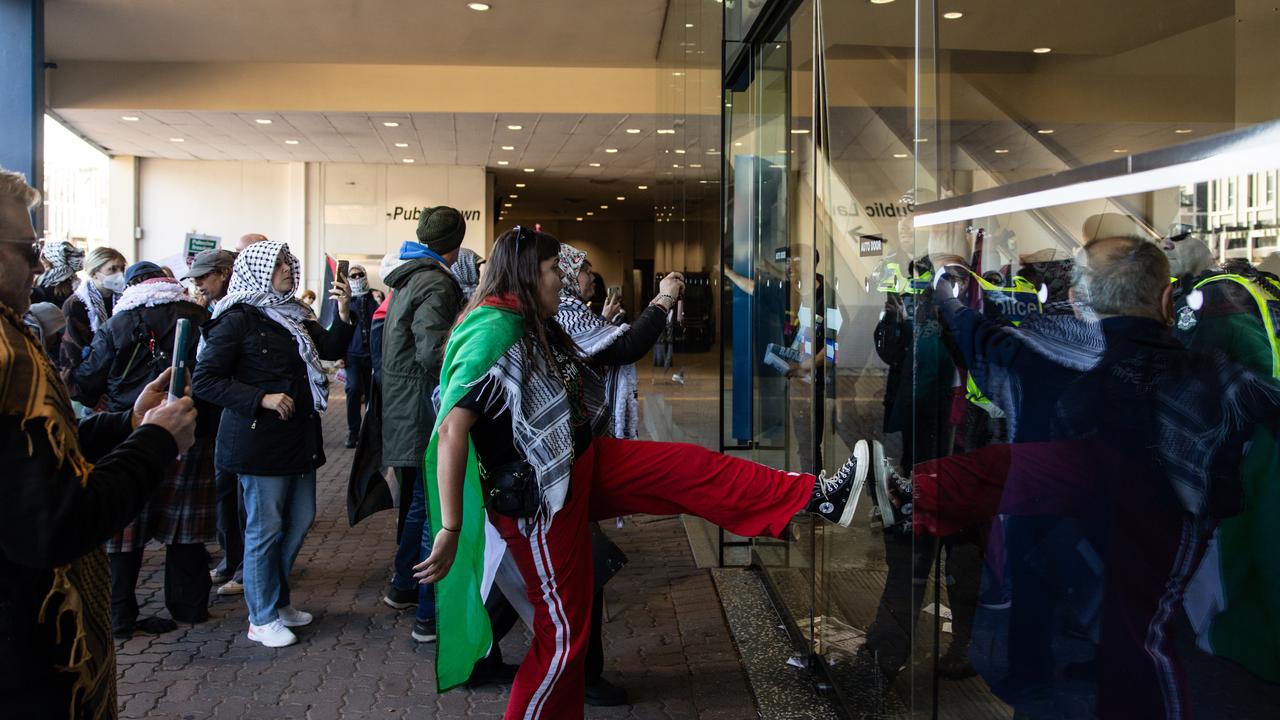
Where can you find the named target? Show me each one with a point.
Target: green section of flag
(463, 635)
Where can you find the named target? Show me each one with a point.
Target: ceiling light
(506, 204)
(604, 207)
(620, 198)
(953, 15)
(407, 160)
(679, 151)
(177, 140)
(702, 182)
(402, 144)
(594, 164)
(728, 105)
(900, 155)
(642, 187)
(290, 142)
(920, 140)
(1180, 131)
(677, 74)
(675, 165)
(519, 185)
(1042, 50)
(633, 131)
(508, 147)
(695, 165)
(591, 212)
(130, 118)
(515, 127)
(390, 124)
(688, 25)
(514, 196)
(799, 131)
(666, 131)
(528, 169)
(881, 2)
(578, 219)
(611, 150)
(263, 121)
(479, 7)
(503, 162)
(1002, 151)
(1120, 151)
(738, 144)
(1044, 131)
(711, 151)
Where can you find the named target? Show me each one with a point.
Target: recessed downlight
(515, 127)
(953, 15)
(528, 170)
(666, 131)
(1183, 131)
(881, 2)
(479, 6)
(680, 151)
(1042, 50)
(506, 205)
(591, 212)
(407, 160)
(508, 147)
(513, 196)
(390, 123)
(402, 145)
(130, 118)
(594, 164)
(519, 185)
(578, 219)
(901, 155)
(177, 139)
(263, 121)
(642, 187)
(799, 131)
(604, 207)
(503, 162)
(290, 142)
(1120, 151)
(633, 131)
(695, 165)
(1044, 131)
(620, 198)
(611, 150)
(1002, 151)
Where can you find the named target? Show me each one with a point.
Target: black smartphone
(343, 266)
(181, 341)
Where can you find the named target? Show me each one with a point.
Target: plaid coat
(183, 508)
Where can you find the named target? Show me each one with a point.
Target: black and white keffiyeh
(149, 293)
(65, 260)
(467, 270)
(593, 334)
(251, 285)
(94, 304)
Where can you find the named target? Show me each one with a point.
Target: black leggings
(186, 585)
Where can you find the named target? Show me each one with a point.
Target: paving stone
(666, 640)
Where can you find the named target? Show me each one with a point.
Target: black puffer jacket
(248, 355)
(131, 350)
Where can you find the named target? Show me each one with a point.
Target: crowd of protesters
(505, 407)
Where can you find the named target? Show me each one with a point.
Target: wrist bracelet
(449, 529)
(664, 295)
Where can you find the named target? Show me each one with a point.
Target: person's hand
(948, 280)
(437, 565)
(279, 402)
(340, 292)
(672, 285)
(178, 417)
(611, 308)
(153, 394)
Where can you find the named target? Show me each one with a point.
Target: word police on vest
(414, 213)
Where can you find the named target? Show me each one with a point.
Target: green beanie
(441, 229)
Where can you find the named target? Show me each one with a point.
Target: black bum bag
(513, 489)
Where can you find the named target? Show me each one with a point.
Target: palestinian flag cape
(462, 625)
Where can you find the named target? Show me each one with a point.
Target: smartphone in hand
(181, 341)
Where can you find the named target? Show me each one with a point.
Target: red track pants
(613, 478)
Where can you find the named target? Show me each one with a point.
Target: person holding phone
(261, 364)
(359, 351)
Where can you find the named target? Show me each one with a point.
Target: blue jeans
(279, 511)
(415, 544)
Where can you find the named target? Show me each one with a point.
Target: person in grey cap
(425, 300)
(211, 273)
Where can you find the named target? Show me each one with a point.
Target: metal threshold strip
(1240, 152)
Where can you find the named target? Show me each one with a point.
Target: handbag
(513, 489)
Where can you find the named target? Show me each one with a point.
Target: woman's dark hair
(511, 271)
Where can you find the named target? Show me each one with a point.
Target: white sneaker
(293, 617)
(231, 587)
(273, 635)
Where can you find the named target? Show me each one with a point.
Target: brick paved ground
(667, 641)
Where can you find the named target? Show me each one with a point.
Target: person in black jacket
(129, 351)
(65, 489)
(359, 352)
(261, 364)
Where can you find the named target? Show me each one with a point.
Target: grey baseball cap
(206, 261)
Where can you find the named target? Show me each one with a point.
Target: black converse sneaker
(881, 468)
(836, 497)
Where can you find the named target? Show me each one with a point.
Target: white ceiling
(573, 33)
(560, 148)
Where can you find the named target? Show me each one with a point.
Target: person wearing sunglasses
(359, 361)
(67, 487)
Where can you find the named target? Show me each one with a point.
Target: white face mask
(114, 282)
(359, 286)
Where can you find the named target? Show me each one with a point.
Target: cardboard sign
(196, 243)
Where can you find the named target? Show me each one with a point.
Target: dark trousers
(359, 378)
(595, 644)
(230, 512)
(415, 542)
(186, 585)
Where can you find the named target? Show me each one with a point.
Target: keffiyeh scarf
(593, 334)
(570, 264)
(467, 270)
(94, 304)
(251, 285)
(149, 293)
(64, 259)
(32, 392)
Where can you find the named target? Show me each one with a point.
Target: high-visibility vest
(1267, 297)
(1013, 304)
